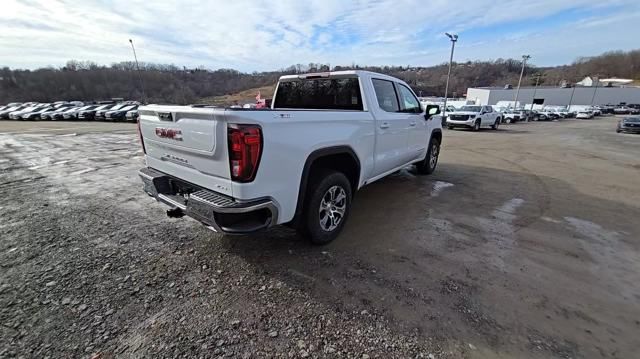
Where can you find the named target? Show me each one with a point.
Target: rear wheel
(428, 165)
(328, 207)
(496, 124)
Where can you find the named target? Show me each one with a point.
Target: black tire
(476, 125)
(312, 226)
(496, 124)
(450, 127)
(428, 165)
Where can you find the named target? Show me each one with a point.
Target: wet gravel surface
(515, 247)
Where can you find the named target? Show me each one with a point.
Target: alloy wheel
(433, 160)
(332, 208)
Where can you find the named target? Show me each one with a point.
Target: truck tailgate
(188, 143)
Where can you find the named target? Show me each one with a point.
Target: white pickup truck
(474, 117)
(298, 163)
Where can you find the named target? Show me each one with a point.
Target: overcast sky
(268, 35)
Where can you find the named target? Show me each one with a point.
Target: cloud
(251, 35)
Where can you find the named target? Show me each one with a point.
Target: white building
(556, 96)
(614, 81)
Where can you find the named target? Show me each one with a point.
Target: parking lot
(523, 243)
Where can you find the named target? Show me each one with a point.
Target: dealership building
(555, 96)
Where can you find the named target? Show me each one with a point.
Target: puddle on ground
(500, 231)
(591, 230)
(612, 261)
(438, 187)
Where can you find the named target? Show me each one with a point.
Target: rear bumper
(217, 211)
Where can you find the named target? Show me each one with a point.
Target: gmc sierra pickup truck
(298, 163)
(474, 117)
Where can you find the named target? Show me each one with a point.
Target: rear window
(320, 94)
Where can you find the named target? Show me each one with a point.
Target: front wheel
(328, 207)
(476, 125)
(428, 165)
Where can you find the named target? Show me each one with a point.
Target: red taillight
(245, 147)
(140, 137)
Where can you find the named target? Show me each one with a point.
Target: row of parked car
(550, 113)
(74, 110)
(477, 116)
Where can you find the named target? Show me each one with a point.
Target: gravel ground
(522, 244)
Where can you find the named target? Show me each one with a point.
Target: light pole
(144, 98)
(573, 91)
(595, 90)
(534, 92)
(453, 39)
(524, 62)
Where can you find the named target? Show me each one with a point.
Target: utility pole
(144, 98)
(534, 92)
(453, 39)
(524, 62)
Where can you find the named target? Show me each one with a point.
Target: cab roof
(338, 74)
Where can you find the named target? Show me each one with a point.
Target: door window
(386, 95)
(408, 102)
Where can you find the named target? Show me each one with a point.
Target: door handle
(412, 124)
(384, 125)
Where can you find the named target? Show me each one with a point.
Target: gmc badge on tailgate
(165, 116)
(170, 133)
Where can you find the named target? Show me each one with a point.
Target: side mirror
(431, 111)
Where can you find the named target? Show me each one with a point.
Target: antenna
(144, 98)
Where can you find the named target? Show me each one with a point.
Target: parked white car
(72, 113)
(585, 115)
(512, 115)
(474, 117)
(298, 163)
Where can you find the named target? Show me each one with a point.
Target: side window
(408, 102)
(386, 95)
(488, 109)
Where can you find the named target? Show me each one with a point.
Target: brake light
(140, 137)
(245, 148)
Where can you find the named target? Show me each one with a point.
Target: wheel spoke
(332, 193)
(324, 203)
(334, 222)
(323, 221)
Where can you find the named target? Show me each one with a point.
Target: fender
(436, 132)
(304, 180)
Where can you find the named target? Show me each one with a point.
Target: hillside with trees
(83, 80)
